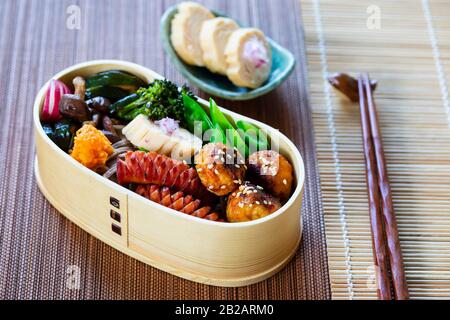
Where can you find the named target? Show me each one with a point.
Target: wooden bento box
(222, 254)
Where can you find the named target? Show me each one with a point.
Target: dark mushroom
(95, 121)
(108, 125)
(96, 118)
(80, 87)
(113, 138)
(73, 106)
(99, 104)
(116, 122)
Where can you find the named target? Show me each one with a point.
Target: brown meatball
(272, 171)
(249, 203)
(220, 169)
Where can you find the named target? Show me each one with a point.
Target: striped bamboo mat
(409, 53)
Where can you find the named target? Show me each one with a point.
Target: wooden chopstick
(380, 254)
(389, 219)
(388, 258)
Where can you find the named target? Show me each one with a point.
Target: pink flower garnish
(168, 125)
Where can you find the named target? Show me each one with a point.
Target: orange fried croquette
(221, 169)
(249, 203)
(91, 147)
(272, 171)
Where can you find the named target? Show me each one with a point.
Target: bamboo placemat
(40, 250)
(410, 56)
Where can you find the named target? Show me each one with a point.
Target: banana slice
(214, 36)
(144, 133)
(249, 58)
(185, 36)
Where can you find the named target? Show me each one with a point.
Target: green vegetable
(218, 135)
(143, 149)
(249, 139)
(112, 93)
(122, 102)
(62, 134)
(195, 114)
(233, 137)
(161, 99)
(255, 138)
(115, 78)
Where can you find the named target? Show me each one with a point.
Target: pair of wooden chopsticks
(385, 242)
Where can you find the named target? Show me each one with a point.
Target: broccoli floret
(161, 99)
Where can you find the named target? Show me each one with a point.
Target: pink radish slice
(56, 89)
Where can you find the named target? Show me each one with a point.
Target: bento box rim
(120, 63)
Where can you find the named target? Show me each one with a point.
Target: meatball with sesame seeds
(221, 169)
(249, 203)
(272, 171)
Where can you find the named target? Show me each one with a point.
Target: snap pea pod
(195, 115)
(217, 134)
(249, 139)
(255, 137)
(232, 136)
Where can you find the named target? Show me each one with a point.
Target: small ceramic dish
(283, 63)
(224, 254)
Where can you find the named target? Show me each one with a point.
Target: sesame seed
(257, 202)
(237, 166)
(210, 187)
(199, 169)
(260, 188)
(234, 194)
(236, 181)
(210, 166)
(265, 202)
(284, 181)
(222, 187)
(216, 171)
(255, 191)
(250, 205)
(184, 161)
